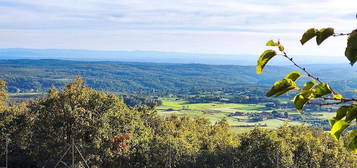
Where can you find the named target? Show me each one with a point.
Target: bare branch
(304, 69)
(300, 67)
(325, 104)
(339, 101)
(341, 34)
(344, 100)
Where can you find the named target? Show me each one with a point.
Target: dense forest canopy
(110, 134)
(153, 78)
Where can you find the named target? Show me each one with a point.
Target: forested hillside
(82, 127)
(148, 78)
(40, 75)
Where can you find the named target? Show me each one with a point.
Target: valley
(244, 117)
(209, 91)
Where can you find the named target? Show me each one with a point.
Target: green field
(217, 111)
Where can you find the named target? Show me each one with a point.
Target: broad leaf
(309, 85)
(323, 34)
(341, 112)
(263, 60)
(280, 87)
(351, 113)
(272, 43)
(351, 49)
(302, 98)
(338, 128)
(337, 96)
(309, 34)
(321, 90)
(352, 140)
(293, 75)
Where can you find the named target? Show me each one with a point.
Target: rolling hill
(25, 75)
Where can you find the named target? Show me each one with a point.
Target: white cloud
(219, 26)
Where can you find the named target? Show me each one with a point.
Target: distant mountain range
(155, 57)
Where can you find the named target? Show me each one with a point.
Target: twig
(344, 34)
(341, 34)
(307, 72)
(302, 68)
(325, 104)
(339, 101)
(342, 99)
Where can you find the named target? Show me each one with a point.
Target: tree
(106, 129)
(292, 146)
(15, 131)
(111, 134)
(316, 89)
(3, 95)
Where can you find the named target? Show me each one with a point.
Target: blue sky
(196, 26)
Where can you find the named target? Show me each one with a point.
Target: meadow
(216, 111)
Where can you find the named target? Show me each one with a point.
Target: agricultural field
(20, 97)
(217, 111)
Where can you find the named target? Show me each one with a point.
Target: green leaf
(323, 34)
(293, 75)
(280, 87)
(302, 98)
(351, 113)
(321, 90)
(309, 85)
(338, 128)
(352, 140)
(337, 96)
(281, 48)
(263, 60)
(332, 121)
(341, 112)
(351, 49)
(309, 34)
(272, 43)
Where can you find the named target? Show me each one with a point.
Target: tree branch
(302, 68)
(341, 34)
(342, 99)
(339, 101)
(325, 104)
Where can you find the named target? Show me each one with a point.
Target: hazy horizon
(227, 27)
(154, 57)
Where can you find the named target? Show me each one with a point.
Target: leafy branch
(345, 114)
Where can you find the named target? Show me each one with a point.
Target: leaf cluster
(315, 89)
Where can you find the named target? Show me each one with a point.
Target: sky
(194, 26)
